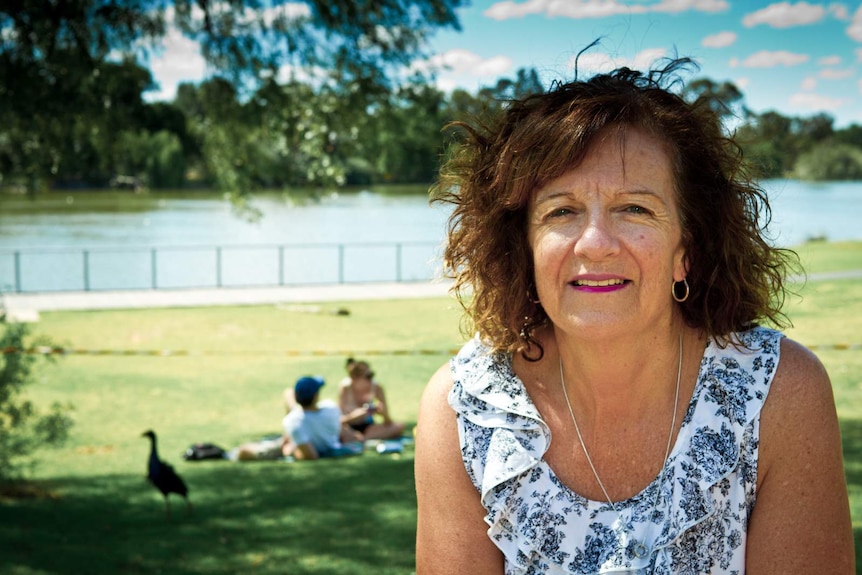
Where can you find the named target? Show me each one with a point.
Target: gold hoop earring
(673, 291)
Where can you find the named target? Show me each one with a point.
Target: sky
(795, 58)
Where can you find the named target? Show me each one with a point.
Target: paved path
(26, 306)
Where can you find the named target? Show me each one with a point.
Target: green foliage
(725, 99)
(767, 141)
(156, 159)
(23, 429)
(344, 115)
(73, 82)
(806, 148)
(830, 161)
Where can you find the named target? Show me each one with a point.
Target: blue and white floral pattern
(703, 498)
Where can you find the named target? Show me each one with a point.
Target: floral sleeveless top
(691, 519)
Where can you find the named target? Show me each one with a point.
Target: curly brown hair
(736, 277)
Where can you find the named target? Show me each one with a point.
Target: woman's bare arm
(451, 533)
(801, 519)
(382, 407)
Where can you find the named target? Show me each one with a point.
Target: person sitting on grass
(361, 399)
(311, 426)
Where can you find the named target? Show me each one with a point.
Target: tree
(830, 161)
(725, 99)
(48, 56)
(489, 100)
(406, 143)
(851, 135)
(23, 428)
(810, 132)
(768, 144)
(525, 83)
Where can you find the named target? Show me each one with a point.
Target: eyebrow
(647, 192)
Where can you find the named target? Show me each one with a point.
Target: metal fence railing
(173, 267)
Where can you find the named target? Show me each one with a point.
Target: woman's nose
(597, 239)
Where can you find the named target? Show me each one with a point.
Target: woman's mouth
(598, 283)
(604, 285)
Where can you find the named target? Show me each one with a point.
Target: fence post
(18, 271)
(341, 263)
(154, 267)
(86, 270)
(218, 266)
(398, 262)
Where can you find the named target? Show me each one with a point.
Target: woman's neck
(618, 375)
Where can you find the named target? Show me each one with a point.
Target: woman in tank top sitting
(365, 413)
(623, 406)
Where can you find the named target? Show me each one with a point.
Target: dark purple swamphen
(163, 476)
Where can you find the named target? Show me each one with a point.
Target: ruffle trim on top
(731, 388)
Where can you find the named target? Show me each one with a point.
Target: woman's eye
(558, 212)
(636, 209)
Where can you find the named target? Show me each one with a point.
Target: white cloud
(815, 101)
(769, 59)
(508, 10)
(179, 61)
(785, 15)
(720, 40)
(446, 84)
(809, 83)
(459, 61)
(829, 60)
(839, 11)
(854, 30)
(835, 74)
(582, 9)
(675, 6)
(292, 10)
(601, 63)
(742, 83)
(645, 58)
(577, 9)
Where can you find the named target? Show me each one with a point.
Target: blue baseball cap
(306, 386)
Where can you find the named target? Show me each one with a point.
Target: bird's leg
(168, 507)
(189, 507)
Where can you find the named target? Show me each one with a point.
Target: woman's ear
(681, 265)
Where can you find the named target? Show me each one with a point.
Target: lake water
(107, 240)
(803, 210)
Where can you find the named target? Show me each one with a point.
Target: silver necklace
(640, 548)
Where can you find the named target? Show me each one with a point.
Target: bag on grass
(199, 451)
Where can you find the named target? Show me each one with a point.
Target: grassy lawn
(216, 374)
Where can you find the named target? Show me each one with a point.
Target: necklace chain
(584, 445)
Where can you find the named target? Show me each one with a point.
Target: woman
(620, 410)
(361, 399)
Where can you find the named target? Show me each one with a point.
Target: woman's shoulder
(801, 382)
(800, 406)
(439, 386)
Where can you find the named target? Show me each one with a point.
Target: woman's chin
(598, 325)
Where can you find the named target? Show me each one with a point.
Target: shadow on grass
(355, 515)
(851, 437)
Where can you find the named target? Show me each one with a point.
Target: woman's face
(606, 239)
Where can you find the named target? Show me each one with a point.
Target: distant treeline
(298, 134)
(356, 109)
